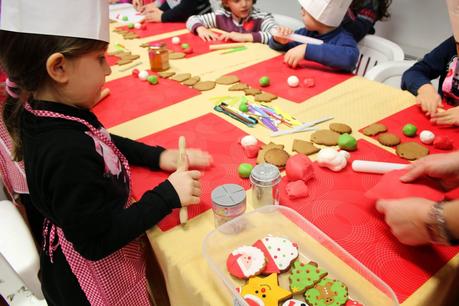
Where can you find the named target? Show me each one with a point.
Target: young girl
(173, 10)
(78, 175)
(322, 21)
(238, 18)
(362, 16)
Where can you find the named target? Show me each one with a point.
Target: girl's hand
(195, 157)
(153, 14)
(235, 36)
(428, 99)
(407, 218)
(206, 34)
(186, 184)
(295, 55)
(282, 33)
(137, 4)
(450, 117)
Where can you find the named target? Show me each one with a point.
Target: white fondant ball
(427, 137)
(175, 40)
(248, 140)
(143, 75)
(137, 25)
(293, 81)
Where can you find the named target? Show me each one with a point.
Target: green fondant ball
(185, 46)
(264, 81)
(244, 170)
(152, 79)
(243, 107)
(410, 130)
(347, 142)
(130, 25)
(125, 18)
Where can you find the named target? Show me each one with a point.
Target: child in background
(362, 16)
(240, 20)
(322, 21)
(440, 62)
(77, 173)
(173, 10)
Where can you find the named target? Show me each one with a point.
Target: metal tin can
(228, 202)
(265, 180)
(159, 57)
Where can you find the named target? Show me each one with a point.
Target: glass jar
(159, 57)
(265, 180)
(228, 202)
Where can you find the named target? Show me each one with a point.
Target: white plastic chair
(375, 50)
(19, 260)
(389, 73)
(288, 21)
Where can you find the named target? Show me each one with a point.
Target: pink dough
(299, 167)
(296, 190)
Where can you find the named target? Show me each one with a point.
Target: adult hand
(186, 184)
(195, 159)
(282, 33)
(428, 99)
(448, 117)
(151, 13)
(444, 167)
(408, 219)
(295, 55)
(206, 34)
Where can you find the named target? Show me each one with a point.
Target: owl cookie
(245, 261)
(279, 253)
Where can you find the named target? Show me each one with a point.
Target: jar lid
(228, 195)
(158, 45)
(265, 175)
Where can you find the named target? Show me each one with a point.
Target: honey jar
(159, 57)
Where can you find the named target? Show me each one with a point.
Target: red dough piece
(299, 167)
(352, 303)
(251, 151)
(188, 50)
(309, 82)
(135, 72)
(297, 190)
(443, 143)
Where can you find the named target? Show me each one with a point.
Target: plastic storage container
(363, 285)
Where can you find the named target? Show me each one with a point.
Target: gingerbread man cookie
(328, 292)
(304, 276)
(279, 253)
(245, 261)
(264, 291)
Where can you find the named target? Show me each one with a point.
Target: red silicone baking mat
(209, 133)
(337, 205)
(130, 98)
(278, 73)
(198, 45)
(414, 115)
(155, 28)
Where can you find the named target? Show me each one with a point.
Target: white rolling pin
(299, 38)
(376, 167)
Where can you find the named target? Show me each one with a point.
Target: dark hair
(227, 8)
(382, 8)
(23, 57)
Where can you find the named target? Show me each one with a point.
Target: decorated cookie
(245, 261)
(265, 97)
(203, 86)
(176, 55)
(227, 80)
(388, 139)
(279, 253)
(252, 91)
(293, 302)
(304, 276)
(238, 87)
(304, 147)
(277, 157)
(165, 74)
(181, 77)
(328, 292)
(265, 148)
(374, 129)
(411, 150)
(264, 291)
(191, 81)
(340, 128)
(325, 137)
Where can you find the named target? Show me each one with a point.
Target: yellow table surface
(357, 102)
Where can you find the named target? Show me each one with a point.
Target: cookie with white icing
(279, 253)
(245, 261)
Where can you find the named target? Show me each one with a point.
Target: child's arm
(264, 34)
(448, 117)
(282, 44)
(342, 54)
(208, 21)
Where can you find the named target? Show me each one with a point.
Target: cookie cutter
(307, 126)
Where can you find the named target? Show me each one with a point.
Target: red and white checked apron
(118, 279)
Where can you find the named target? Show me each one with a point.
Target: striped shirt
(258, 23)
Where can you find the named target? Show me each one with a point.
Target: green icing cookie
(304, 276)
(328, 292)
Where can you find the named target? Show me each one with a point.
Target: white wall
(416, 25)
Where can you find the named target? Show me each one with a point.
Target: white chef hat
(453, 10)
(328, 12)
(75, 18)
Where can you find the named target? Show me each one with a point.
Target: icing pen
(264, 117)
(299, 38)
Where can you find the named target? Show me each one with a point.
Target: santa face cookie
(328, 292)
(279, 253)
(245, 261)
(304, 276)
